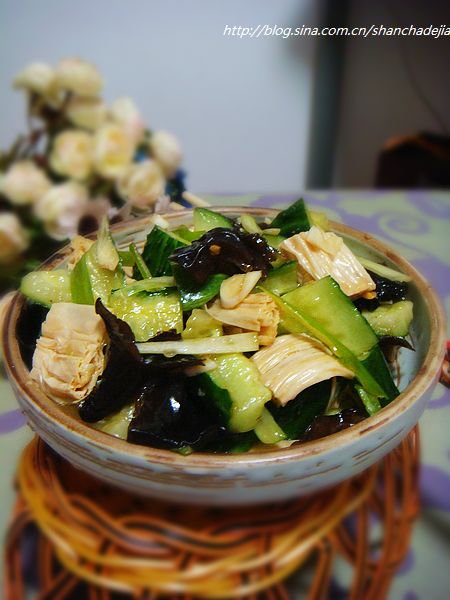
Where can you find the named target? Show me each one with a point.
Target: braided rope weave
(108, 541)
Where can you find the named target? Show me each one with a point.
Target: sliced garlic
(321, 253)
(257, 312)
(293, 363)
(236, 288)
(69, 354)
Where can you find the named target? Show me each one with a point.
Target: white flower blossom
(142, 184)
(113, 151)
(79, 77)
(24, 183)
(62, 208)
(166, 150)
(13, 238)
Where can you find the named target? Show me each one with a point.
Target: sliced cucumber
(159, 246)
(240, 377)
(376, 363)
(391, 319)
(90, 281)
(267, 430)
(200, 325)
(318, 218)
(148, 314)
(273, 240)
(47, 287)
(298, 414)
(296, 321)
(117, 424)
(193, 296)
(292, 220)
(205, 219)
(283, 279)
(185, 233)
(328, 305)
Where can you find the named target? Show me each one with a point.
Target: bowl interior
(417, 369)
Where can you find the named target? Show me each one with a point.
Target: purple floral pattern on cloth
(435, 488)
(10, 421)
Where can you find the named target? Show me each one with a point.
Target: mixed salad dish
(223, 336)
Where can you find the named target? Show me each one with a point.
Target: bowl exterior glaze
(255, 477)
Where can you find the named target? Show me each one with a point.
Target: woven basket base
(72, 537)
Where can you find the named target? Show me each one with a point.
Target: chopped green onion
(383, 271)
(126, 258)
(139, 262)
(249, 224)
(238, 342)
(151, 284)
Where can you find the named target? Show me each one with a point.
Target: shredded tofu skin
(321, 253)
(293, 363)
(69, 354)
(257, 312)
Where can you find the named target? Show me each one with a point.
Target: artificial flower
(124, 112)
(166, 150)
(113, 152)
(24, 183)
(72, 154)
(142, 184)
(89, 113)
(38, 78)
(79, 76)
(62, 208)
(13, 238)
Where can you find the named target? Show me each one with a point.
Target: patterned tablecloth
(417, 224)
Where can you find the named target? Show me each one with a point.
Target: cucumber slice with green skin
(117, 423)
(292, 220)
(47, 287)
(273, 240)
(186, 234)
(200, 325)
(193, 296)
(391, 319)
(371, 403)
(298, 414)
(283, 279)
(205, 219)
(236, 375)
(325, 301)
(90, 281)
(215, 399)
(376, 363)
(267, 430)
(296, 321)
(148, 314)
(159, 246)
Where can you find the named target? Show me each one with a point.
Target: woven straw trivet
(72, 537)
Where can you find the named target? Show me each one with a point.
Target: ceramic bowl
(257, 477)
